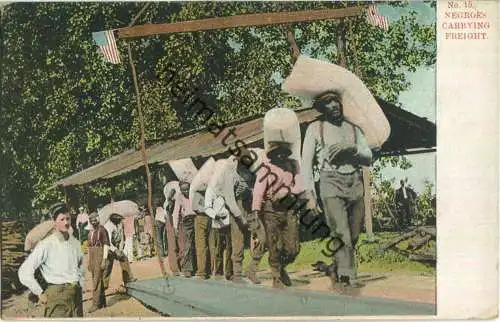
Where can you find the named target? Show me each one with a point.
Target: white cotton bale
(124, 208)
(282, 125)
(184, 169)
(311, 77)
(38, 233)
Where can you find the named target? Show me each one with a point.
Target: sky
(420, 99)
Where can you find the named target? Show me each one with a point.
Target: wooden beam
(258, 19)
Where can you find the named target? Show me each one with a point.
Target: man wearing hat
(340, 149)
(60, 259)
(277, 177)
(98, 253)
(116, 243)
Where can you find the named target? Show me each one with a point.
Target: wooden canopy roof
(409, 134)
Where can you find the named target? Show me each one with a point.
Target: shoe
(252, 276)
(200, 277)
(284, 277)
(277, 283)
(188, 274)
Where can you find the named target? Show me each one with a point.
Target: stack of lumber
(417, 241)
(12, 256)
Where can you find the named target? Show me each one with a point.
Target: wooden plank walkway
(181, 297)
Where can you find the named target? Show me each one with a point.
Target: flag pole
(145, 161)
(366, 170)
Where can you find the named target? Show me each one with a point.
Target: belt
(72, 284)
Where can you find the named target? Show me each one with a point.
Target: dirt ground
(409, 287)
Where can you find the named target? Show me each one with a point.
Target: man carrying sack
(116, 236)
(60, 259)
(98, 253)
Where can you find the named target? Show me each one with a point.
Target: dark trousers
(237, 245)
(202, 236)
(160, 236)
(188, 264)
(282, 239)
(175, 246)
(124, 264)
(259, 243)
(63, 301)
(345, 219)
(95, 260)
(221, 239)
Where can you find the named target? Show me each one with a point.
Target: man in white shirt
(60, 259)
(116, 236)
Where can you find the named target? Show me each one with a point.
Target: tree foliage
(64, 109)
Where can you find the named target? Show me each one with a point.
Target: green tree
(64, 109)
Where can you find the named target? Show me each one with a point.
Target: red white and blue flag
(377, 20)
(107, 45)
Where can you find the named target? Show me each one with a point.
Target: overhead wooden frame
(250, 20)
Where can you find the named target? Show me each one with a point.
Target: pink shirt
(128, 226)
(182, 208)
(274, 182)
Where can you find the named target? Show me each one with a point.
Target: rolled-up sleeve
(308, 151)
(27, 270)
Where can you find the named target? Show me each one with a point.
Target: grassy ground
(369, 260)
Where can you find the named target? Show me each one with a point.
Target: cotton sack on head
(282, 125)
(311, 78)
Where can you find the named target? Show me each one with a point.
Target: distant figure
(405, 199)
(60, 260)
(160, 218)
(82, 220)
(144, 226)
(175, 238)
(129, 232)
(98, 253)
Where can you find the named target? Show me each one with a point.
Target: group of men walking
(207, 214)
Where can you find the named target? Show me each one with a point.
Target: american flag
(377, 20)
(107, 45)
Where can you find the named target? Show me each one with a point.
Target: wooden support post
(295, 51)
(251, 20)
(368, 204)
(145, 161)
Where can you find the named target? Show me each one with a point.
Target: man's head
(81, 209)
(115, 218)
(330, 105)
(402, 183)
(94, 219)
(60, 215)
(279, 151)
